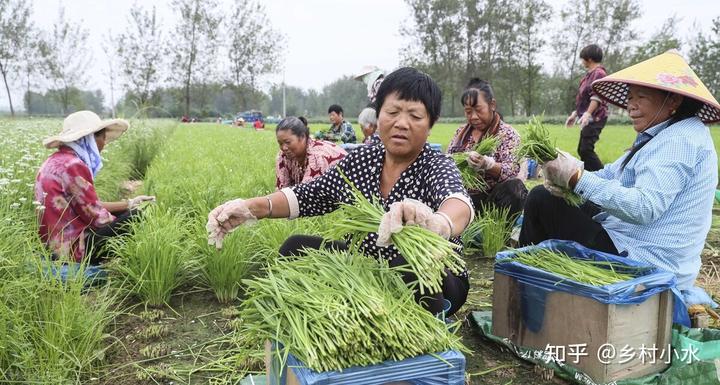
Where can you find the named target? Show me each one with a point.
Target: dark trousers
(454, 289)
(549, 217)
(589, 135)
(96, 239)
(507, 194)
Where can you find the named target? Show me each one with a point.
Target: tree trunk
(7, 88)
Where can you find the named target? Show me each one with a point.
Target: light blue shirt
(658, 209)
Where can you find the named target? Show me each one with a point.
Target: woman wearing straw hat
(74, 221)
(653, 204)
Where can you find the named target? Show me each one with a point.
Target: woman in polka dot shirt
(415, 184)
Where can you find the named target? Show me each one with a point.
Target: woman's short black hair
(295, 125)
(688, 108)
(411, 84)
(473, 89)
(592, 52)
(336, 109)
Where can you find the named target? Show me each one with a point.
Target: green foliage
(705, 57)
(157, 255)
(492, 226)
(224, 269)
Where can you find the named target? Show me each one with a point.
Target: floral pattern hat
(667, 72)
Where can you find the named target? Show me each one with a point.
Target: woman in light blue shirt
(653, 204)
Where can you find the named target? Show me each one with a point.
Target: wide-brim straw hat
(668, 72)
(82, 123)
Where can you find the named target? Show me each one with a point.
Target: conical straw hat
(81, 123)
(667, 72)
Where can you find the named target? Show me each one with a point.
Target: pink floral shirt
(321, 156)
(64, 187)
(504, 155)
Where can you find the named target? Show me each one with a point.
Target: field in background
(193, 337)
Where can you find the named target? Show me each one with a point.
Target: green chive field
(172, 308)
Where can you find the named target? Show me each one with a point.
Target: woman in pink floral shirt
(499, 170)
(302, 159)
(73, 220)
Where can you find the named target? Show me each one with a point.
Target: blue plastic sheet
(535, 283)
(446, 368)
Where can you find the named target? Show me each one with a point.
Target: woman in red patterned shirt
(74, 223)
(301, 158)
(500, 170)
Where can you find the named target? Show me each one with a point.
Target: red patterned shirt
(504, 155)
(64, 187)
(321, 156)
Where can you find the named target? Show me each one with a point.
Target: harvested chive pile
(427, 253)
(595, 273)
(470, 177)
(493, 225)
(536, 145)
(333, 310)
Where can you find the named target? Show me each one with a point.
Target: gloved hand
(225, 218)
(561, 169)
(554, 190)
(411, 212)
(571, 119)
(480, 162)
(135, 202)
(585, 119)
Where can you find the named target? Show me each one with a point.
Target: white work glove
(225, 218)
(135, 202)
(559, 170)
(571, 119)
(554, 190)
(411, 212)
(585, 119)
(479, 162)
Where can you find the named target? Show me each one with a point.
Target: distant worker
(372, 76)
(258, 124)
(368, 124)
(590, 110)
(341, 129)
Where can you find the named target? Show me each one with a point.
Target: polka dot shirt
(431, 178)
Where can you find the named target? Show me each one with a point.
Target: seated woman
(368, 124)
(409, 178)
(654, 203)
(301, 158)
(74, 222)
(499, 170)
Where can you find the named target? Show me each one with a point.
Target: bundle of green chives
(536, 145)
(470, 177)
(333, 310)
(427, 253)
(595, 273)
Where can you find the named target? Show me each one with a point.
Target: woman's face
(481, 115)
(369, 129)
(403, 126)
(648, 107)
(291, 145)
(100, 141)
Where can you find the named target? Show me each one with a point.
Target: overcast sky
(325, 39)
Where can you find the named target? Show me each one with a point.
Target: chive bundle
(427, 254)
(493, 225)
(470, 177)
(536, 145)
(595, 273)
(333, 310)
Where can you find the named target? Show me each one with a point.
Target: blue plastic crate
(446, 368)
(436, 146)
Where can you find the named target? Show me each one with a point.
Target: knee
(293, 246)
(537, 199)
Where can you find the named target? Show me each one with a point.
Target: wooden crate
(572, 320)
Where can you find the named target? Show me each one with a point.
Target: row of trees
(206, 46)
(504, 41)
(210, 63)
